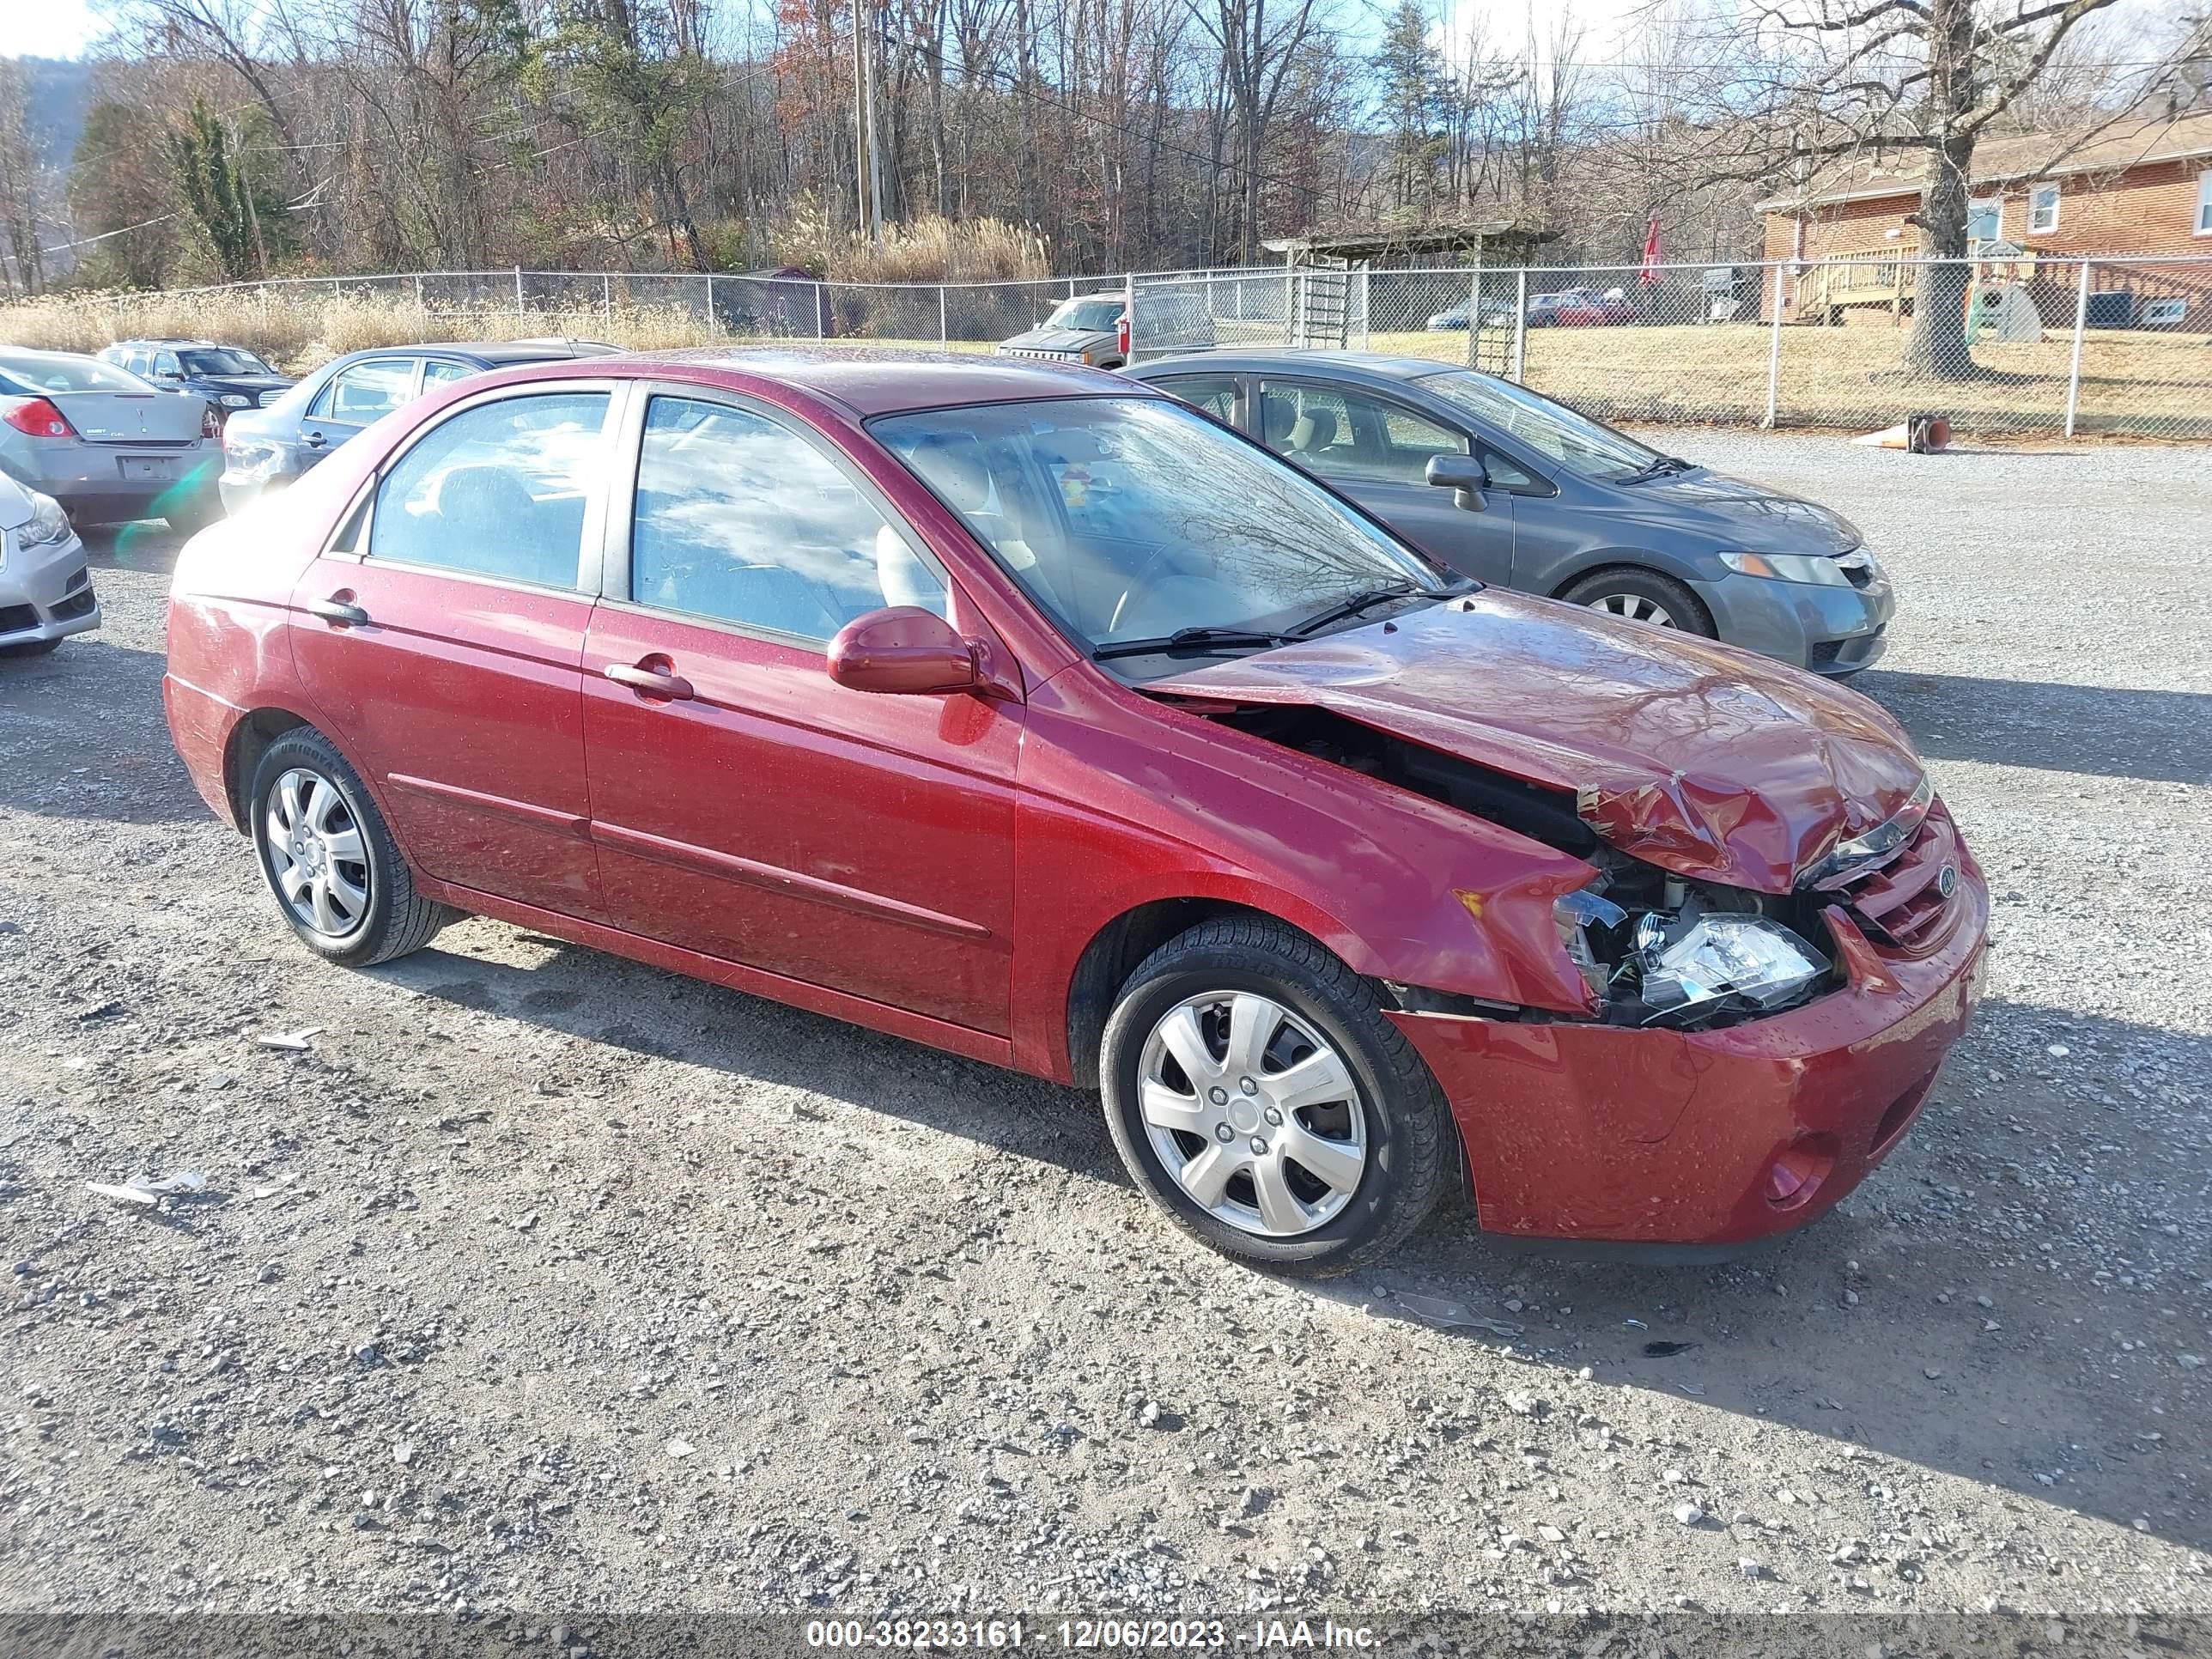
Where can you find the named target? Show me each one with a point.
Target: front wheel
(334, 870)
(1256, 1092)
(1643, 596)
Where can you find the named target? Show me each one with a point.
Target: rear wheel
(337, 874)
(1643, 596)
(1256, 1092)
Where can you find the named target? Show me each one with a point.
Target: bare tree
(1818, 84)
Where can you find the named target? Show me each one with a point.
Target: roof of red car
(873, 382)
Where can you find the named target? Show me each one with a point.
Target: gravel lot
(545, 1281)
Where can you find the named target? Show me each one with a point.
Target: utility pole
(867, 172)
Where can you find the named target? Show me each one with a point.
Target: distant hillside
(61, 89)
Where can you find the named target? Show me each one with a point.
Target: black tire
(1686, 609)
(31, 649)
(1410, 1138)
(396, 920)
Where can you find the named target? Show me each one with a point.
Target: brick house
(2140, 187)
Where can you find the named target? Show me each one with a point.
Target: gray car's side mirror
(1464, 475)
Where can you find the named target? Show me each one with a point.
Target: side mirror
(903, 650)
(1464, 475)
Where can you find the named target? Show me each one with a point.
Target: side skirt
(776, 987)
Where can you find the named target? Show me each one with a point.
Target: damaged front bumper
(1647, 1139)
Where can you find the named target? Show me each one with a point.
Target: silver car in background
(108, 446)
(45, 591)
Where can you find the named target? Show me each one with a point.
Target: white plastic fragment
(291, 1042)
(147, 1190)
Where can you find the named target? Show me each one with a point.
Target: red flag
(1650, 274)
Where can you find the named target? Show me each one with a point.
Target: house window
(2042, 210)
(2204, 205)
(1984, 219)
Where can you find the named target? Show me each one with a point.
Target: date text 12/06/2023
(1091, 1634)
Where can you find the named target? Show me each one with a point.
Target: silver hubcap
(1252, 1113)
(1635, 607)
(316, 854)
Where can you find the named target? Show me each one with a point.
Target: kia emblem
(1946, 880)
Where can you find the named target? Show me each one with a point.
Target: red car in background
(1581, 308)
(1023, 712)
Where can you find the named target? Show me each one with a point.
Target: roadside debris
(146, 1191)
(1448, 1314)
(291, 1042)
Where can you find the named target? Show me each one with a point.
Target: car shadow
(1902, 1366)
(82, 736)
(651, 1012)
(148, 546)
(2157, 736)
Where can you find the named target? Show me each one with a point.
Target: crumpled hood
(1693, 755)
(1744, 517)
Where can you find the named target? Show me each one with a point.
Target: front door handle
(314, 441)
(652, 681)
(337, 612)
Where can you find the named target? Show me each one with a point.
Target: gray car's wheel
(1256, 1092)
(332, 866)
(1643, 596)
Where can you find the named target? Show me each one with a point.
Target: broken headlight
(1688, 960)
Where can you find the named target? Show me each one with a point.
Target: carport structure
(1331, 272)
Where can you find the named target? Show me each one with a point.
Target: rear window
(61, 371)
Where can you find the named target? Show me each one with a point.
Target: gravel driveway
(540, 1280)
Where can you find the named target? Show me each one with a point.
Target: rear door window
(501, 490)
(1210, 394)
(444, 371)
(367, 390)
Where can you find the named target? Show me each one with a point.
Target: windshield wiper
(1659, 466)
(1358, 602)
(1189, 638)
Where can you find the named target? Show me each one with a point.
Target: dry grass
(299, 330)
(931, 249)
(2133, 383)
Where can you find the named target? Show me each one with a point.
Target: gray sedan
(45, 591)
(104, 443)
(1510, 487)
(267, 449)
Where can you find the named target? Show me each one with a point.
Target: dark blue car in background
(265, 449)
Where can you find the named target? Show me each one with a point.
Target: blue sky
(49, 28)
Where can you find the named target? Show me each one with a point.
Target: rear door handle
(337, 612)
(652, 681)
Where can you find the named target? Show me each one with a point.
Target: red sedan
(1024, 712)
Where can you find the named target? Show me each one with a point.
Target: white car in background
(45, 591)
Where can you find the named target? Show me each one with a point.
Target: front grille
(15, 618)
(271, 396)
(1903, 904)
(1039, 351)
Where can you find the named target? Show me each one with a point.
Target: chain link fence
(2013, 347)
(2017, 347)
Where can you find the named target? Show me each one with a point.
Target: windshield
(1091, 316)
(1575, 442)
(63, 370)
(226, 359)
(1131, 519)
